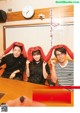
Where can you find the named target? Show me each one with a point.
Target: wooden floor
(14, 88)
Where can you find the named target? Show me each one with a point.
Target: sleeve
(47, 68)
(3, 61)
(23, 66)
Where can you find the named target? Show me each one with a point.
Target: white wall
(18, 5)
(40, 36)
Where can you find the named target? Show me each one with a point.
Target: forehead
(17, 48)
(36, 54)
(58, 52)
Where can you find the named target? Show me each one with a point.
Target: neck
(37, 62)
(64, 63)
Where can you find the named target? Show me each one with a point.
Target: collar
(64, 65)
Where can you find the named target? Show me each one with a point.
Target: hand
(53, 63)
(1, 55)
(27, 62)
(12, 75)
(44, 64)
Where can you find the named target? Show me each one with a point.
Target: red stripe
(64, 87)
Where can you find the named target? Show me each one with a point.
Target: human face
(36, 57)
(61, 57)
(16, 51)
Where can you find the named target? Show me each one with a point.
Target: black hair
(22, 98)
(18, 46)
(62, 50)
(37, 52)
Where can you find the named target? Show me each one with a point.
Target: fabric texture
(65, 74)
(36, 72)
(13, 64)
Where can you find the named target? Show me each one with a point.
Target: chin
(16, 56)
(61, 61)
(37, 60)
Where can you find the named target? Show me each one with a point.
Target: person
(37, 70)
(63, 69)
(15, 62)
(23, 101)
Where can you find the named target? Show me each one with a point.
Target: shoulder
(22, 57)
(32, 63)
(8, 55)
(70, 63)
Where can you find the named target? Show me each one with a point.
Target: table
(15, 88)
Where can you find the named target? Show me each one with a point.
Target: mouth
(16, 55)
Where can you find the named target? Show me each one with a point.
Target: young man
(15, 63)
(63, 70)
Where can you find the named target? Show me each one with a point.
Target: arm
(1, 55)
(27, 69)
(23, 66)
(2, 61)
(14, 74)
(11, 103)
(45, 74)
(19, 70)
(53, 72)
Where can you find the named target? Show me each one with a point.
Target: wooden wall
(62, 11)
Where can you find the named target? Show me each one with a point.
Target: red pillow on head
(17, 44)
(70, 53)
(32, 49)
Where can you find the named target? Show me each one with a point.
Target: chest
(37, 68)
(13, 62)
(64, 72)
